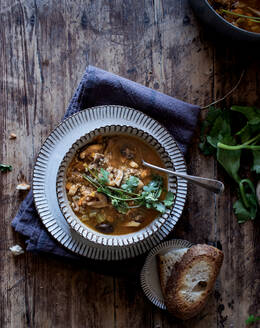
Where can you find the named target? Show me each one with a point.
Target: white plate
(150, 280)
(56, 147)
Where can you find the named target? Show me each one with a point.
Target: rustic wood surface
(45, 47)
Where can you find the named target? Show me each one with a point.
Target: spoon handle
(213, 185)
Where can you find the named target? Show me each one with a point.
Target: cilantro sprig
(103, 177)
(131, 184)
(233, 136)
(254, 19)
(127, 197)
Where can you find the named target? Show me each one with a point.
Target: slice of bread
(192, 280)
(166, 262)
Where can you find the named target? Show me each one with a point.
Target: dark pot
(209, 16)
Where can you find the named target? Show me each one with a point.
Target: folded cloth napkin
(99, 87)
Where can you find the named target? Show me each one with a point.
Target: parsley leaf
(5, 167)
(246, 207)
(120, 206)
(256, 161)
(103, 176)
(169, 198)
(220, 130)
(242, 213)
(204, 145)
(131, 184)
(152, 192)
(252, 319)
(230, 160)
(124, 198)
(229, 135)
(251, 113)
(159, 207)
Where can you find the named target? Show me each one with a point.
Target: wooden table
(45, 47)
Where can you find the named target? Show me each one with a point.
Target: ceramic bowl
(50, 163)
(87, 232)
(209, 16)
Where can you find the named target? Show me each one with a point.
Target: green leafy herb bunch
(233, 137)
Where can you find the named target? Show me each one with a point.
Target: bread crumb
(12, 136)
(16, 250)
(23, 186)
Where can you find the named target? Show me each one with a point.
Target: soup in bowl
(244, 14)
(110, 190)
(104, 189)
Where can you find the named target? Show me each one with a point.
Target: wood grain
(45, 47)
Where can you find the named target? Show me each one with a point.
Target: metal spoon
(213, 185)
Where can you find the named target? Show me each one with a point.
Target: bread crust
(173, 298)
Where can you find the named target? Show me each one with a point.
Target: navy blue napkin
(99, 87)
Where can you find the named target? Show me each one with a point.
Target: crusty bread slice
(192, 280)
(166, 262)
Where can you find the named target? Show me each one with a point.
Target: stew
(244, 14)
(110, 190)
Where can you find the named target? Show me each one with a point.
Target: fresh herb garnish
(131, 184)
(103, 176)
(246, 206)
(5, 167)
(250, 18)
(252, 319)
(152, 192)
(256, 161)
(125, 198)
(120, 206)
(169, 198)
(230, 136)
(159, 207)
